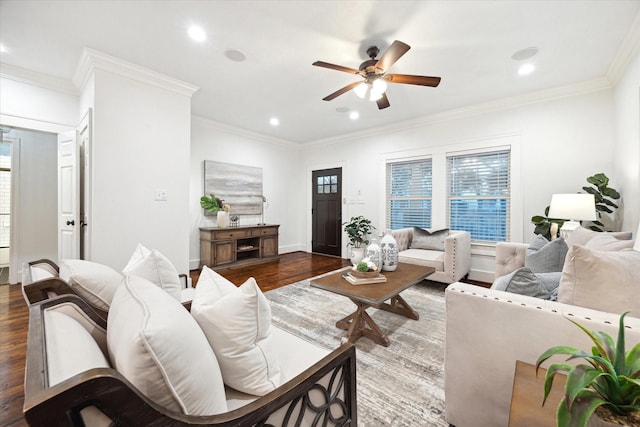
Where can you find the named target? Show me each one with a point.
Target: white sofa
(451, 264)
(488, 330)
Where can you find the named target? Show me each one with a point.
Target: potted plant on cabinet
(214, 205)
(357, 229)
(604, 392)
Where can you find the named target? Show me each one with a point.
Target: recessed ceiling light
(3, 49)
(526, 53)
(197, 33)
(525, 69)
(274, 121)
(235, 55)
(354, 115)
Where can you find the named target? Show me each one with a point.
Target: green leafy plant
(358, 228)
(210, 203)
(604, 196)
(611, 379)
(543, 224)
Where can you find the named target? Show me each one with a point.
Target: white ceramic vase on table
(374, 253)
(389, 248)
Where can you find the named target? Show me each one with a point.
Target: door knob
(72, 222)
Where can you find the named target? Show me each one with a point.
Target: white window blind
(479, 194)
(409, 194)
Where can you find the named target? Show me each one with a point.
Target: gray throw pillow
(545, 256)
(425, 239)
(524, 282)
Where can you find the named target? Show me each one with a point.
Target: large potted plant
(603, 392)
(358, 228)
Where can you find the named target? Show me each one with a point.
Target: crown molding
(581, 88)
(92, 60)
(45, 81)
(212, 124)
(627, 50)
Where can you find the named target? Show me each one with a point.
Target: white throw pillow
(156, 268)
(159, 348)
(602, 280)
(237, 322)
(95, 283)
(606, 242)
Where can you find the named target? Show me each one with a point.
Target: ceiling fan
(375, 77)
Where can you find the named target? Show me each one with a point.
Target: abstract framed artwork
(236, 185)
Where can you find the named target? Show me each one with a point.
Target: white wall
(35, 231)
(34, 107)
(626, 148)
(141, 139)
(562, 143)
(281, 177)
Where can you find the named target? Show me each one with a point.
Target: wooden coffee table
(359, 323)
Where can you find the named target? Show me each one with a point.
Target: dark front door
(326, 213)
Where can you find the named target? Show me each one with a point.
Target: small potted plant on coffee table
(357, 229)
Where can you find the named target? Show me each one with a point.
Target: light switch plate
(161, 196)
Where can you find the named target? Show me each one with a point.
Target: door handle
(72, 222)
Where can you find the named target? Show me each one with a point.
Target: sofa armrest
(488, 330)
(457, 254)
(325, 391)
(509, 257)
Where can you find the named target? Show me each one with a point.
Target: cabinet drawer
(230, 234)
(267, 231)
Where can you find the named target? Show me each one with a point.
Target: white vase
(223, 219)
(389, 248)
(356, 255)
(374, 253)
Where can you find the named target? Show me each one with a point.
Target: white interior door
(68, 196)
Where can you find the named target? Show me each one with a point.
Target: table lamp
(574, 208)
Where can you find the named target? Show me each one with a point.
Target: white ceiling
(467, 43)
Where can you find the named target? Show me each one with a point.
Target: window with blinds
(479, 194)
(409, 194)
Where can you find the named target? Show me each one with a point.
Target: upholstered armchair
(448, 251)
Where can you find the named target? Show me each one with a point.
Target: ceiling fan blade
(383, 102)
(412, 80)
(335, 67)
(392, 54)
(339, 92)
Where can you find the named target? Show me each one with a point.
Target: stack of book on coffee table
(356, 280)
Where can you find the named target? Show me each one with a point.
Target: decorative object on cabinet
(240, 186)
(223, 248)
(389, 251)
(235, 220)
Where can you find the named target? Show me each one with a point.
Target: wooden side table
(526, 399)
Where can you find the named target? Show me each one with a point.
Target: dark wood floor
(14, 319)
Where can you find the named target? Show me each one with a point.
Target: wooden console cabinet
(234, 246)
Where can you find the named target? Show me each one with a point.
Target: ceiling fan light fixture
(361, 90)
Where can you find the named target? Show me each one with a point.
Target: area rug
(399, 385)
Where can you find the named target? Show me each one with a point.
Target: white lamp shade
(581, 207)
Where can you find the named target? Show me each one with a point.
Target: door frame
(346, 182)
(15, 270)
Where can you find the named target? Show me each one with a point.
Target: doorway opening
(5, 204)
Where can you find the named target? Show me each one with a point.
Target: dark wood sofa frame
(122, 402)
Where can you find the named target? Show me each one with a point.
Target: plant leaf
(610, 192)
(551, 372)
(583, 406)
(633, 362)
(619, 362)
(603, 208)
(559, 349)
(578, 379)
